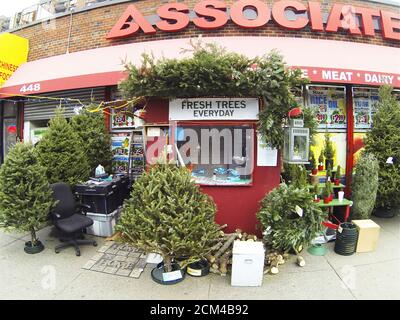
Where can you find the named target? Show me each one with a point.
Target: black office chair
(68, 219)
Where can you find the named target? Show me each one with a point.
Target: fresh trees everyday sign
(214, 14)
(214, 109)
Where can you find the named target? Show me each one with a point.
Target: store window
(10, 128)
(364, 106)
(329, 102)
(217, 155)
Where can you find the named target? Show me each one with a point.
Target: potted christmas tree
(321, 161)
(326, 195)
(25, 195)
(338, 175)
(328, 151)
(169, 215)
(313, 163)
(329, 188)
(316, 193)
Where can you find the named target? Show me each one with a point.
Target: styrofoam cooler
(247, 264)
(103, 224)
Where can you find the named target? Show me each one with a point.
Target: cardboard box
(368, 235)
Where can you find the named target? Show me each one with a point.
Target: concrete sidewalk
(373, 275)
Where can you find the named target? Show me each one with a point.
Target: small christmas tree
(321, 158)
(328, 151)
(313, 162)
(383, 140)
(364, 186)
(169, 215)
(298, 174)
(61, 152)
(91, 128)
(25, 195)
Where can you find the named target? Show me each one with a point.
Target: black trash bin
(346, 239)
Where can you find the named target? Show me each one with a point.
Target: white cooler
(247, 264)
(103, 224)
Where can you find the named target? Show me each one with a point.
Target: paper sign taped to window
(266, 156)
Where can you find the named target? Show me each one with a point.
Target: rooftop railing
(46, 9)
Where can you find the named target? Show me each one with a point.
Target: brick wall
(89, 29)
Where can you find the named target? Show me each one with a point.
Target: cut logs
(300, 261)
(220, 255)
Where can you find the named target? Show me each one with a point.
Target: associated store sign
(214, 109)
(214, 14)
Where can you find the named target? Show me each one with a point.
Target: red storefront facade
(346, 50)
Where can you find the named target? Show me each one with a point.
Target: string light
(102, 107)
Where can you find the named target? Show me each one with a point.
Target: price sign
(329, 104)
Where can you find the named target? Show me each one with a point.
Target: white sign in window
(214, 109)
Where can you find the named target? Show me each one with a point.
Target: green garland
(213, 72)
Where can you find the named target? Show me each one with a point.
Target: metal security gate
(44, 109)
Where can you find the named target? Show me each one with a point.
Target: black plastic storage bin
(346, 239)
(124, 187)
(102, 198)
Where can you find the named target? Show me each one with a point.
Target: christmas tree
(169, 215)
(25, 195)
(328, 151)
(91, 128)
(364, 186)
(383, 140)
(61, 152)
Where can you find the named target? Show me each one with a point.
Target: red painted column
(350, 139)
(107, 117)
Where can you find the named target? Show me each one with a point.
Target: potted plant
(169, 215)
(290, 218)
(338, 175)
(313, 163)
(329, 188)
(321, 161)
(329, 171)
(316, 193)
(328, 151)
(326, 195)
(25, 194)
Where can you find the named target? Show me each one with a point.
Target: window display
(120, 149)
(218, 155)
(364, 105)
(330, 105)
(120, 120)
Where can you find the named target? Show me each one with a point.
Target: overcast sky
(9, 7)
